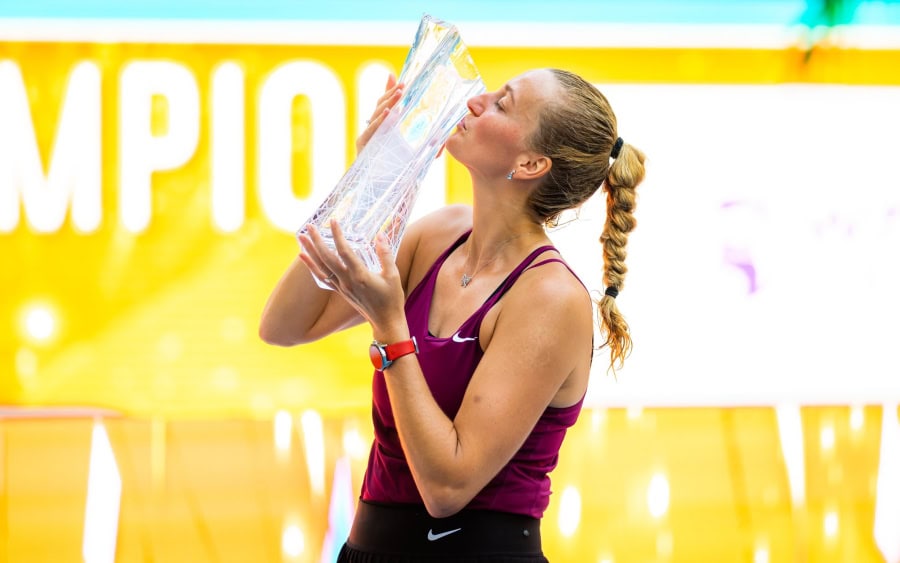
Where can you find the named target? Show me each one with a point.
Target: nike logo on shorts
(458, 338)
(434, 537)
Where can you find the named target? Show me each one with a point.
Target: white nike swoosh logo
(432, 536)
(458, 338)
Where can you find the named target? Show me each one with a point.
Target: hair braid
(625, 174)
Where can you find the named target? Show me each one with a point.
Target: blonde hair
(577, 134)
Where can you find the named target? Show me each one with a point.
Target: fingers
(343, 267)
(392, 94)
(384, 252)
(351, 262)
(388, 99)
(323, 261)
(391, 82)
(315, 267)
(372, 125)
(342, 261)
(389, 87)
(311, 242)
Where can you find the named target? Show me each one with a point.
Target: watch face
(375, 354)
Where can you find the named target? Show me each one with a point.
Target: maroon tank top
(523, 485)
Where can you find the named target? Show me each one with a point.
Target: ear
(533, 166)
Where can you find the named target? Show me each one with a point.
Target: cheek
(506, 137)
(489, 142)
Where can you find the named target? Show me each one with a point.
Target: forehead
(534, 86)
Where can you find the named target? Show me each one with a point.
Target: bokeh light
(830, 524)
(40, 323)
(569, 511)
(658, 495)
(292, 541)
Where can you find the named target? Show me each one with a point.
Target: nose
(476, 104)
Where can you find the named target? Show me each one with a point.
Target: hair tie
(612, 291)
(616, 148)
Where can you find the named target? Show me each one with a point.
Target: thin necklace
(464, 281)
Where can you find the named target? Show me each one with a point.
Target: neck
(500, 212)
(501, 230)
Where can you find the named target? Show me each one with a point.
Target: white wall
(799, 183)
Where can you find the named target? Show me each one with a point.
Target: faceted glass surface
(379, 190)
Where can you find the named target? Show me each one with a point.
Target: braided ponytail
(625, 173)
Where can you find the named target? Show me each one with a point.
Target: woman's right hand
(392, 93)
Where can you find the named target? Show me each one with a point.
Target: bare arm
(540, 344)
(298, 310)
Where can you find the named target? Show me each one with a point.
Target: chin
(451, 146)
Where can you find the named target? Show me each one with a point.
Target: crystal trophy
(377, 193)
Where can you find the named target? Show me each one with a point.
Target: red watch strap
(402, 348)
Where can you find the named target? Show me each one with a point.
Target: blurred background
(156, 158)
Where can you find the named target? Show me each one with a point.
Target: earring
(510, 175)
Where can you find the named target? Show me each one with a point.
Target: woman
(483, 335)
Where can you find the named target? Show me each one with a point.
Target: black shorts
(406, 534)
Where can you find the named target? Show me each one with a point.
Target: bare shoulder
(544, 330)
(426, 238)
(551, 294)
(555, 279)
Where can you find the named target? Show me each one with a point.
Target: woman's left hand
(378, 297)
(392, 94)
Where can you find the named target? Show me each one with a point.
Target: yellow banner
(148, 195)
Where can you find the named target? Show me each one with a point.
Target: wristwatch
(383, 355)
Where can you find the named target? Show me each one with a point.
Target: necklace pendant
(465, 280)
